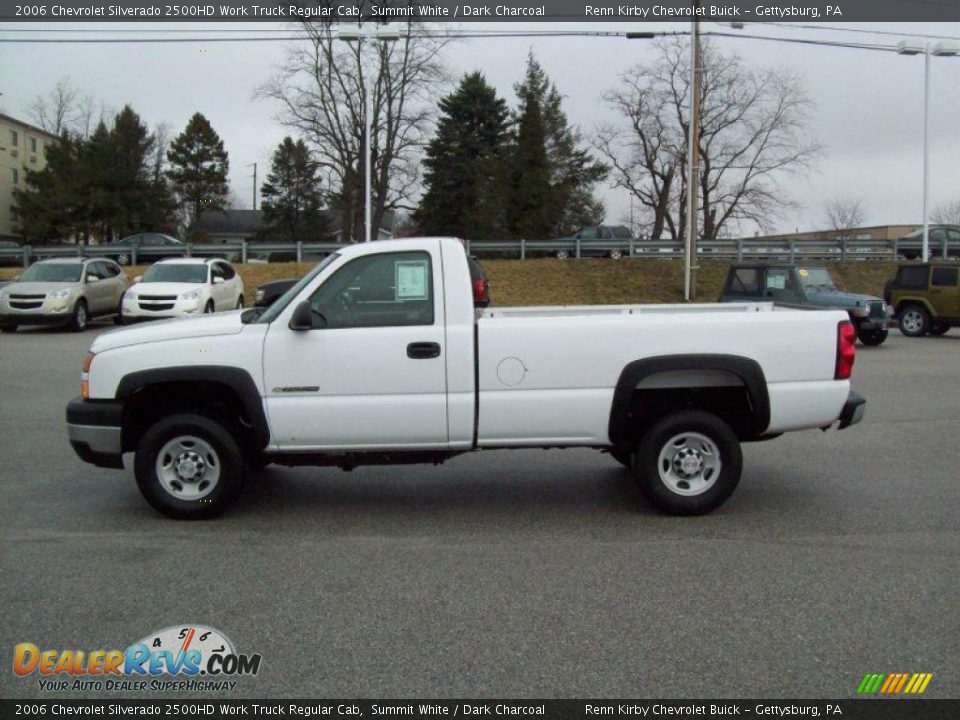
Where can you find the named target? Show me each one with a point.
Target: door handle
(423, 350)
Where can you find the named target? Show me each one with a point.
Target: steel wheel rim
(689, 464)
(912, 321)
(188, 468)
(615, 255)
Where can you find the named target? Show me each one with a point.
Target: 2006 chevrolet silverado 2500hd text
(379, 356)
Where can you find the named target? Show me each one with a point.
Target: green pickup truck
(806, 286)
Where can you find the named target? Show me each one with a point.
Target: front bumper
(181, 308)
(34, 318)
(853, 410)
(95, 432)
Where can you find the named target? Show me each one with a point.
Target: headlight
(191, 295)
(59, 294)
(129, 295)
(3, 293)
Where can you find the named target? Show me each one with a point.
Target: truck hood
(227, 323)
(37, 288)
(838, 299)
(165, 288)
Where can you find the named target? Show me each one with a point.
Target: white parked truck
(379, 356)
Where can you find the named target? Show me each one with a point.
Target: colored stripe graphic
(894, 683)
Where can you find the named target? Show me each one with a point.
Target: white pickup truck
(379, 356)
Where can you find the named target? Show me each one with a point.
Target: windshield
(281, 302)
(176, 272)
(53, 272)
(817, 278)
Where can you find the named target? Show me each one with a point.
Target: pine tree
(292, 204)
(529, 203)
(572, 172)
(462, 164)
(198, 168)
(47, 208)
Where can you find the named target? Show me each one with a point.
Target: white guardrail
(731, 250)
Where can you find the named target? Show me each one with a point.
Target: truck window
(942, 276)
(779, 280)
(745, 280)
(383, 290)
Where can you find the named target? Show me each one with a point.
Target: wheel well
(209, 398)
(911, 301)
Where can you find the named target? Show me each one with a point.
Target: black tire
(8, 328)
(240, 303)
(914, 320)
(228, 458)
(209, 308)
(563, 254)
(872, 337)
(662, 436)
(118, 318)
(123, 259)
(939, 328)
(616, 254)
(80, 317)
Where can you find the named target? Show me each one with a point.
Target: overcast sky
(869, 115)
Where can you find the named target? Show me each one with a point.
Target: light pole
(942, 49)
(361, 35)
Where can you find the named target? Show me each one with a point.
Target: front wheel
(78, 321)
(872, 337)
(688, 463)
(616, 254)
(914, 320)
(240, 303)
(189, 467)
(209, 308)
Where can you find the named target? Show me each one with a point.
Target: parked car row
(71, 291)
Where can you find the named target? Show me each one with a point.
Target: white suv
(183, 287)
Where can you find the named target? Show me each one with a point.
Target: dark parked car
(911, 246)
(926, 297)
(124, 248)
(806, 286)
(616, 237)
(268, 292)
(14, 258)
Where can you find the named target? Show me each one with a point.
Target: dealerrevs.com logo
(178, 658)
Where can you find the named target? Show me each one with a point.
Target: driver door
(370, 374)
(779, 286)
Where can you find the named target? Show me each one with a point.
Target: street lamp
(360, 36)
(941, 49)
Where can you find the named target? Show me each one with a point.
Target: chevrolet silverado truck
(379, 355)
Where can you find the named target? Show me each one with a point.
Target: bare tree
(844, 214)
(947, 213)
(55, 111)
(754, 130)
(321, 90)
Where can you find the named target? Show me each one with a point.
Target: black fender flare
(748, 370)
(236, 379)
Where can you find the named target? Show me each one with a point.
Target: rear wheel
(240, 303)
(616, 254)
(914, 320)
(563, 254)
(209, 307)
(939, 328)
(872, 337)
(78, 322)
(189, 466)
(688, 463)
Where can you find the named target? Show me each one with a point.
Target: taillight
(479, 290)
(846, 350)
(85, 376)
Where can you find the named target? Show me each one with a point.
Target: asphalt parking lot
(512, 573)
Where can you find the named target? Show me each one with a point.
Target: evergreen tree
(529, 203)
(292, 204)
(199, 168)
(49, 207)
(572, 171)
(462, 164)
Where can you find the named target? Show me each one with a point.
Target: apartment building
(22, 148)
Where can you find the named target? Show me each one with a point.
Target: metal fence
(739, 250)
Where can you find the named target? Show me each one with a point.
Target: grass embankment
(585, 282)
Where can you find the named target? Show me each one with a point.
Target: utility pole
(254, 186)
(693, 159)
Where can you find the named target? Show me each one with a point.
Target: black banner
(479, 10)
(873, 709)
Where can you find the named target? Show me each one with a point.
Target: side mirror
(302, 318)
(218, 281)
(92, 279)
(138, 278)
